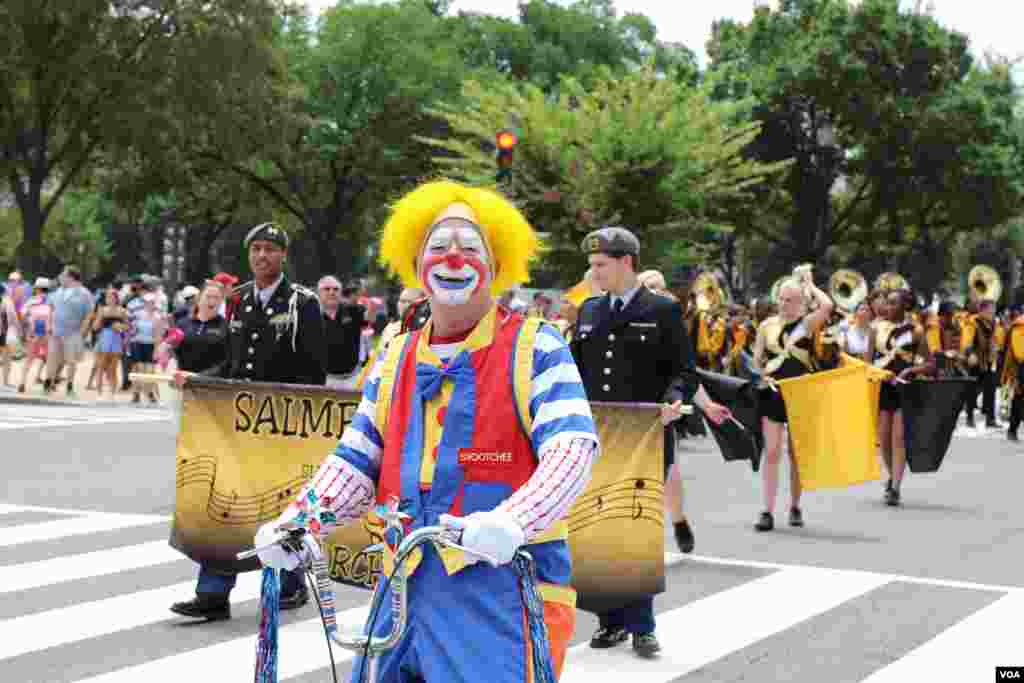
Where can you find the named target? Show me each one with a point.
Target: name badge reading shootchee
(478, 457)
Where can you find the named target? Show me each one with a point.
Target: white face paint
(454, 276)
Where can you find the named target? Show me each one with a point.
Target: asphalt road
(931, 591)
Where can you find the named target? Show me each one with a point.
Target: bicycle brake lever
(291, 539)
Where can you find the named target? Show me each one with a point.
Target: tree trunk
(29, 256)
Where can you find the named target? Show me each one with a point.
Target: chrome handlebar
(366, 643)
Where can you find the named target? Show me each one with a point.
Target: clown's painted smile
(454, 277)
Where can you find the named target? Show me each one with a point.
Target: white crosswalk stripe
(32, 416)
(93, 637)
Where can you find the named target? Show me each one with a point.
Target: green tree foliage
(653, 153)
(77, 232)
(80, 77)
(340, 142)
(898, 138)
(579, 39)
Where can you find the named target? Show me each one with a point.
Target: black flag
(742, 441)
(930, 411)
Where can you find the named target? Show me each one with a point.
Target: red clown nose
(455, 261)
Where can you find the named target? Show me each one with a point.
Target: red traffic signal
(506, 139)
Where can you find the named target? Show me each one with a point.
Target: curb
(35, 401)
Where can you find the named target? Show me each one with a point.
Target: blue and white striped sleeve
(346, 482)
(558, 402)
(361, 444)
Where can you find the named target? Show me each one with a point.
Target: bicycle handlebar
(368, 644)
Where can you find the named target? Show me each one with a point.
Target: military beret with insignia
(268, 232)
(614, 241)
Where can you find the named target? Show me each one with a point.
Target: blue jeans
(209, 582)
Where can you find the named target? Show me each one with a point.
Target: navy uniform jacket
(282, 341)
(643, 356)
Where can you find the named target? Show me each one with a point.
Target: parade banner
(245, 449)
(833, 419)
(930, 412)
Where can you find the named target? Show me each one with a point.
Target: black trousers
(986, 386)
(1016, 412)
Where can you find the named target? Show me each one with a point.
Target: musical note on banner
(635, 499)
(231, 509)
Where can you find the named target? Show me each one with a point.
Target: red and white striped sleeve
(548, 495)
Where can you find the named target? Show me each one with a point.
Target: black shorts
(141, 353)
(889, 398)
(771, 405)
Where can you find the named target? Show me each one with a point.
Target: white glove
(495, 534)
(279, 557)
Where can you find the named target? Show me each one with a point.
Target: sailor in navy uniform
(275, 334)
(631, 346)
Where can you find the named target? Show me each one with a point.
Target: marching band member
(827, 343)
(856, 339)
(741, 341)
(783, 349)
(1013, 372)
(897, 343)
(631, 346)
(448, 427)
(710, 340)
(978, 344)
(942, 338)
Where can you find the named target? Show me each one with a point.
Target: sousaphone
(984, 284)
(776, 286)
(848, 289)
(888, 282)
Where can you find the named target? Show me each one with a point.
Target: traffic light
(506, 142)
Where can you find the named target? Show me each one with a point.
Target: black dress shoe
(646, 645)
(295, 600)
(606, 637)
(684, 537)
(796, 518)
(765, 522)
(204, 606)
(1012, 436)
(892, 497)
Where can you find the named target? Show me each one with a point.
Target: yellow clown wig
(509, 237)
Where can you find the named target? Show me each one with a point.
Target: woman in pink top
(37, 330)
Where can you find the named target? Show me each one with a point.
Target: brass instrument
(984, 284)
(848, 289)
(776, 286)
(888, 282)
(711, 297)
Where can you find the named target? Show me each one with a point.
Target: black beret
(268, 232)
(611, 240)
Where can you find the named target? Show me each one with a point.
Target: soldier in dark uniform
(275, 334)
(631, 346)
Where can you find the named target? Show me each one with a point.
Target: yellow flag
(833, 418)
(579, 293)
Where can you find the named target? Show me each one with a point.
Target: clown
(477, 421)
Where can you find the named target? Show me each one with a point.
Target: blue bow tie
(457, 434)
